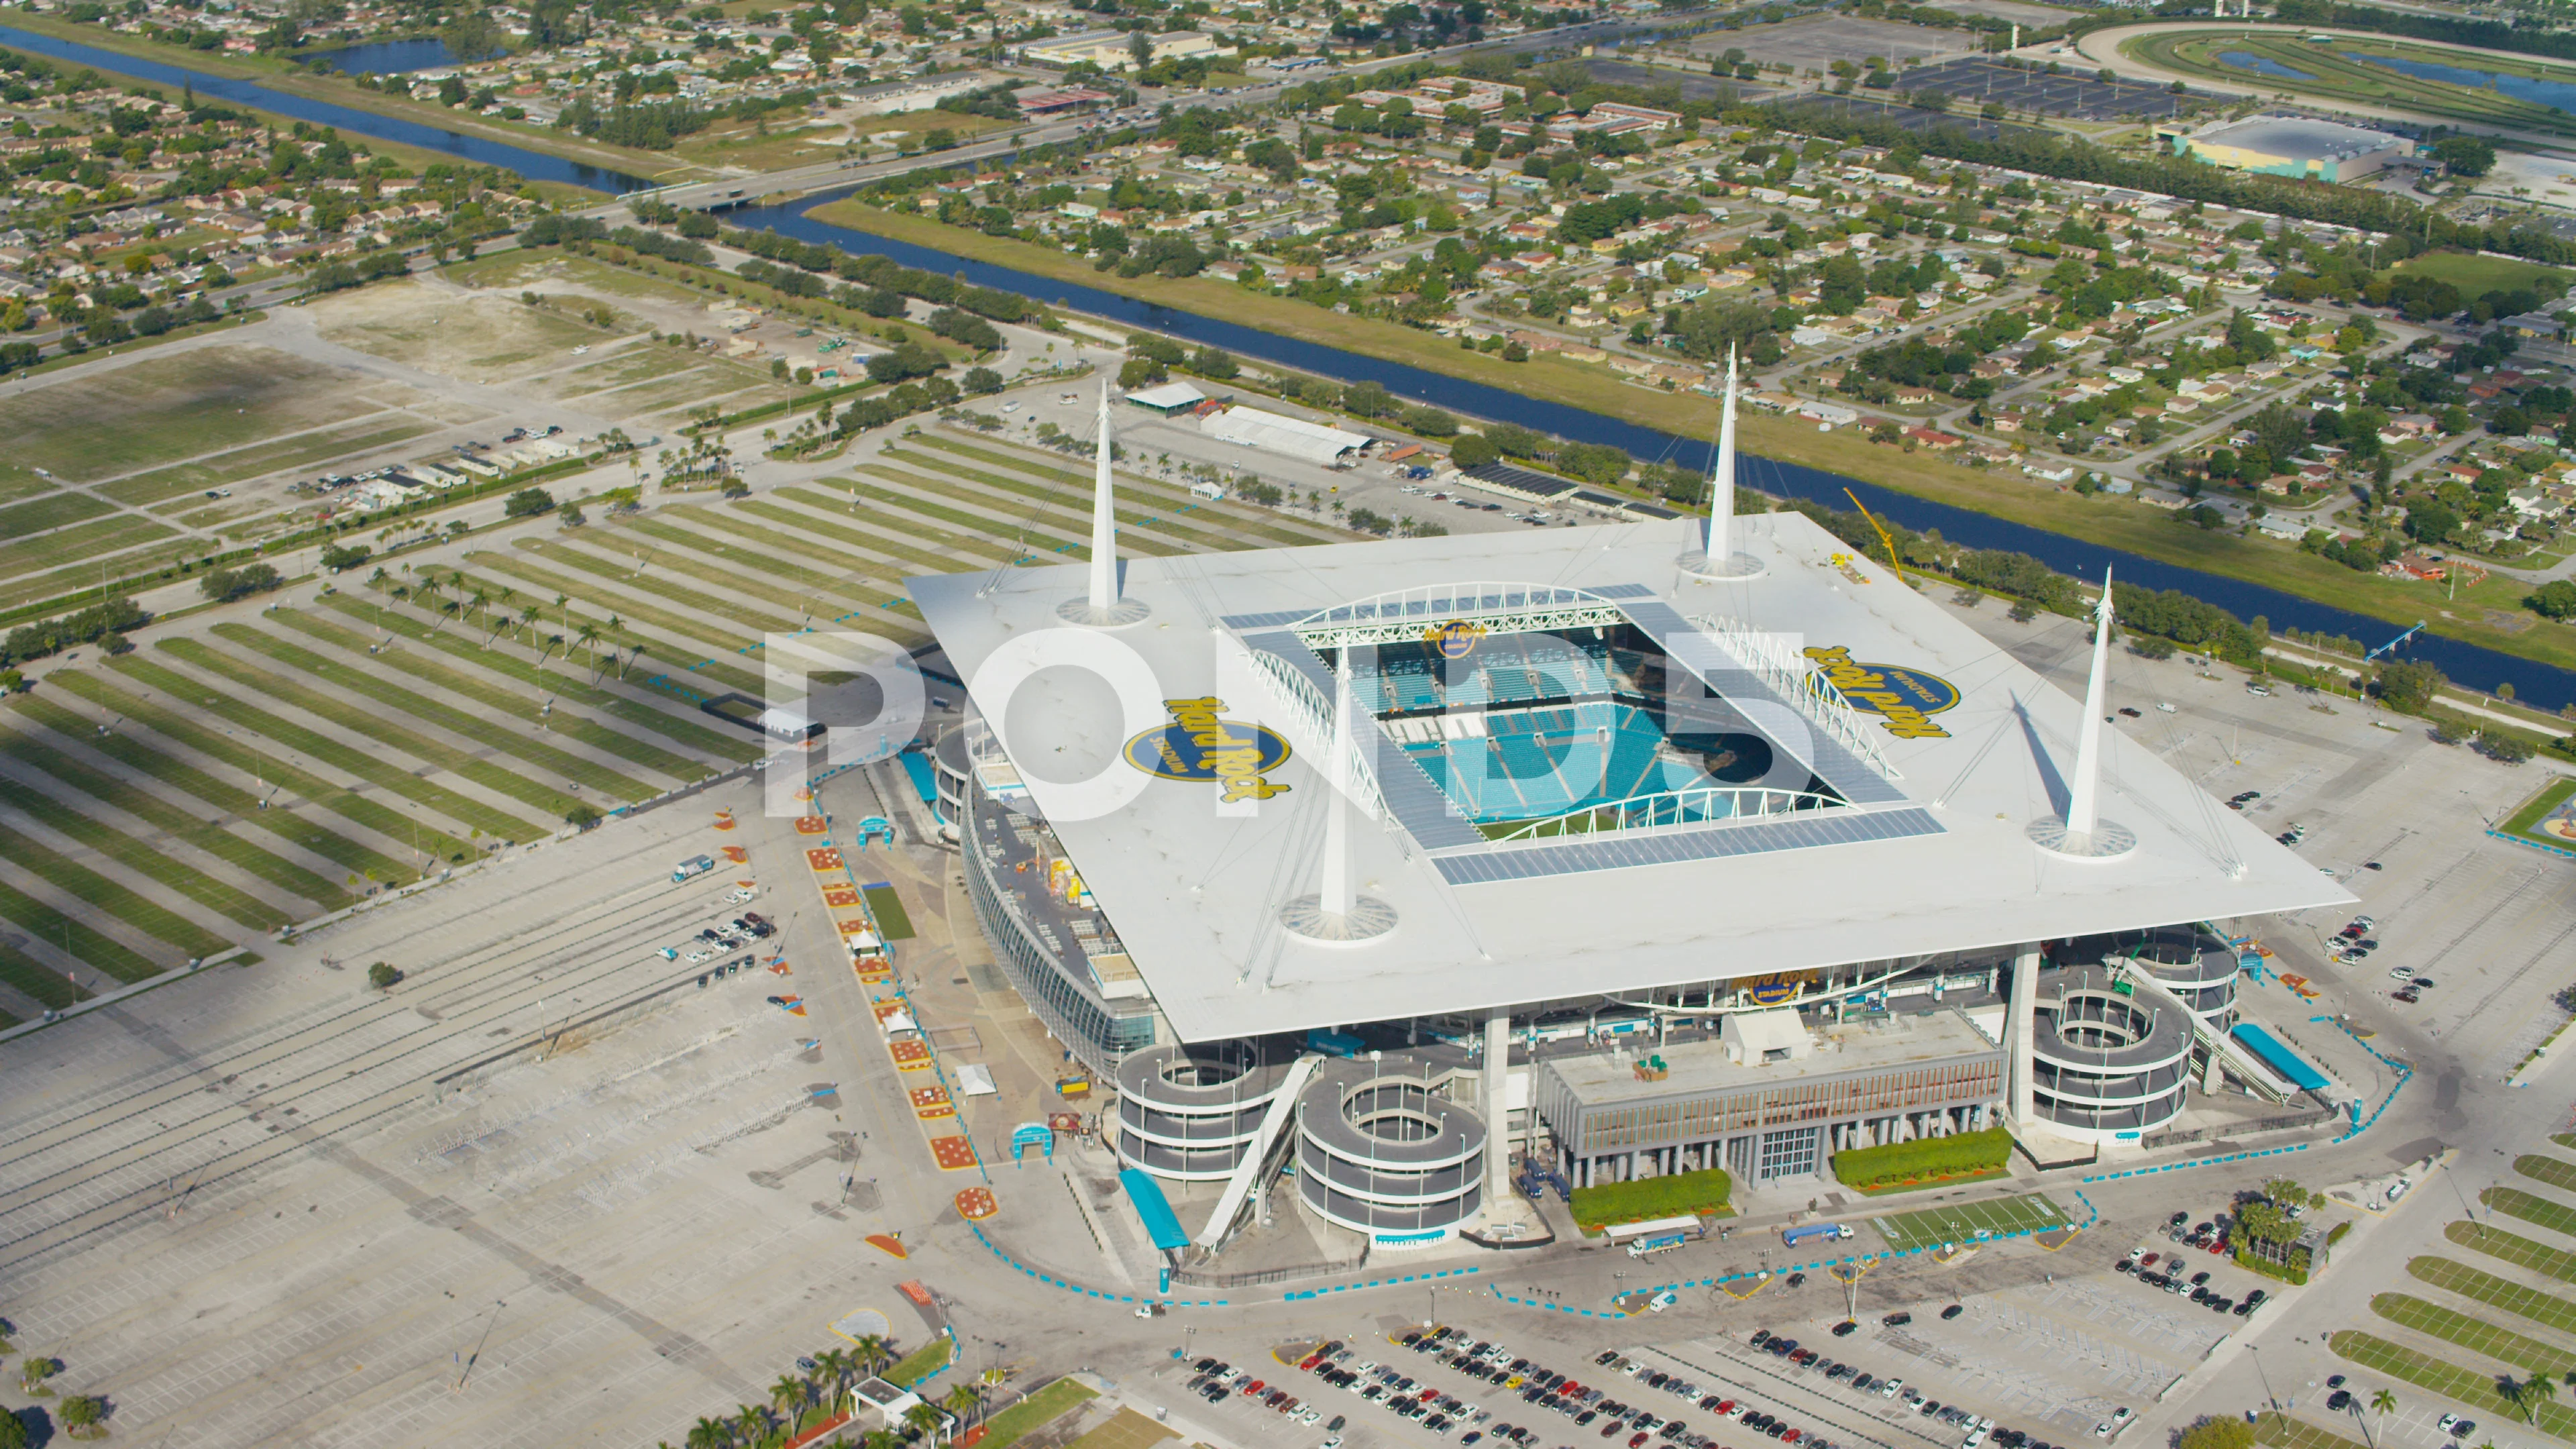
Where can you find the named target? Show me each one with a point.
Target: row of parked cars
(1976, 1430)
(725, 936)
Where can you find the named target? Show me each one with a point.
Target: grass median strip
(110, 898)
(699, 530)
(870, 581)
(511, 736)
(2520, 1251)
(79, 938)
(358, 763)
(174, 824)
(38, 982)
(682, 733)
(1183, 517)
(2465, 1386)
(1067, 517)
(688, 640)
(2546, 1309)
(362, 862)
(907, 559)
(2531, 1208)
(981, 541)
(2474, 1334)
(373, 725)
(2547, 1171)
(143, 759)
(674, 569)
(676, 639)
(1277, 528)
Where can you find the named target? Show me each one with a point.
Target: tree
(2231, 1433)
(787, 1395)
(13, 1430)
(471, 36)
(872, 1351)
(84, 1411)
(2555, 599)
(2383, 1403)
(1474, 450)
(225, 585)
(527, 503)
(983, 381)
(710, 1434)
(2407, 685)
(2428, 521)
(963, 1400)
(925, 1419)
(572, 516)
(2465, 155)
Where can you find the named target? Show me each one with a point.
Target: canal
(2472, 665)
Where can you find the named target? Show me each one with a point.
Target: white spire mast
(1104, 520)
(1721, 478)
(2083, 793)
(1718, 559)
(1334, 897)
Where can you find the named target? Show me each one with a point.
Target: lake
(390, 57)
(2557, 95)
(2261, 65)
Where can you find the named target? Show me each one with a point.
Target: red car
(1613, 1427)
(1636, 1441)
(1254, 1389)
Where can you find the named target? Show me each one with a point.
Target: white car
(2119, 1416)
(2102, 1430)
(1662, 1301)
(1309, 1416)
(700, 956)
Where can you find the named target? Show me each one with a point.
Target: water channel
(390, 57)
(2534, 683)
(2557, 95)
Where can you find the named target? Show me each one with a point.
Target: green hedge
(1654, 1197)
(1959, 1155)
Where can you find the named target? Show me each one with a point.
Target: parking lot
(1975, 82)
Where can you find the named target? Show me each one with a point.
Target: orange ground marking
(976, 1204)
(811, 825)
(736, 855)
(823, 858)
(954, 1154)
(840, 896)
(887, 1245)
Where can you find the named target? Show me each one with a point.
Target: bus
(1654, 1235)
(1814, 1232)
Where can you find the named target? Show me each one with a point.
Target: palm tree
(870, 1349)
(710, 1434)
(527, 619)
(632, 654)
(2537, 1390)
(589, 638)
(2382, 1403)
(788, 1394)
(963, 1399)
(834, 1365)
(564, 602)
(926, 1419)
(751, 1424)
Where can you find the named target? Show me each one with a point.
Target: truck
(694, 865)
(1653, 1243)
(1814, 1232)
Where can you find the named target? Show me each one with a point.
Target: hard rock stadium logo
(1201, 745)
(1455, 639)
(1903, 699)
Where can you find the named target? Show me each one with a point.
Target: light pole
(2269, 1400)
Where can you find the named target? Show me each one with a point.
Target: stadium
(1390, 868)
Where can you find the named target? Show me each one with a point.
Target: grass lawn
(1034, 1412)
(2477, 274)
(893, 921)
(35, 568)
(2520, 1251)
(869, 582)
(144, 760)
(150, 861)
(2461, 1385)
(1244, 518)
(426, 706)
(1966, 1222)
(21, 519)
(962, 551)
(269, 764)
(84, 941)
(921, 1363)
(2104, 519)
(2546, 1309)
(369, 765)
(353, 439)
(167, 408)
(2533, 811)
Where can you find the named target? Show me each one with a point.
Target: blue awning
(1153, 1210)
(2277, 1055)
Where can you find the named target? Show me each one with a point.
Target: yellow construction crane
(1892, 560)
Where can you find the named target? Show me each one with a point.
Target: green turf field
(1964, 1222)
(2546, 1309)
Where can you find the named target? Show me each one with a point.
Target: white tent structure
(1279, 433)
